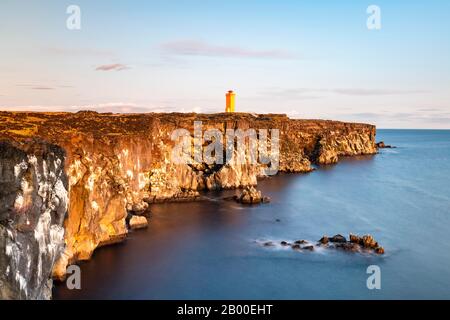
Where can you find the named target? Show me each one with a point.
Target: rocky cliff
(33, 205)
(68, 181)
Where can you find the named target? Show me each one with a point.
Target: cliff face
(33, 204)
(108, 165)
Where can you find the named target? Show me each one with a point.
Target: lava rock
(138, 222)
(348, 246)
(251, 196)
(338, 238)
(382, 145)
(379, 250)
(366, 242)
(266, 199)
(324, 240)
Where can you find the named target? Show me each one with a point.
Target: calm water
(208, 250)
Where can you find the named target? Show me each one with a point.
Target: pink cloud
(200, 48)
(112, 67)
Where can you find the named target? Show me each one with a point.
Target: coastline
(105, 166)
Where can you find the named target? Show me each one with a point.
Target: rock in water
(324, 240)
(348, 246)
(379, 250)
(251, 196)
(382, 145)
(138, 208)
(364, 244)
(338, 238)
(138, 222)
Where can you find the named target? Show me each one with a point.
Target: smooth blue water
(208, 250)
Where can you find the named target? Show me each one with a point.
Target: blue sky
(309, 59)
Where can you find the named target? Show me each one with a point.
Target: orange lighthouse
(230, 104)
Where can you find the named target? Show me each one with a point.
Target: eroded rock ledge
(74, 176)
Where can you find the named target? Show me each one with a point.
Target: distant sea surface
(211, 250)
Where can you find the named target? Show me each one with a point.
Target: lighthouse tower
(230, 101)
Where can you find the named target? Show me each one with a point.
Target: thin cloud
(42, 88)
(398, 117)
(299, 93)
(112, 67)
(64, 51)
(374, 92)
(114, 107)
(201, 48)
(429, 110)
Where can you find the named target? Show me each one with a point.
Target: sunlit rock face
(118, 164)
(332, 145)
(33, 204)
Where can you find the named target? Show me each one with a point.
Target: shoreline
(98, 168)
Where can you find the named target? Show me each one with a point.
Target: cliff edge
(68, 180)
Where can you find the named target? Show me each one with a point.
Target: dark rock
(269, 244)
(284, 243)
(296, 247)
(301, 242)
(379, 250)
(309, 248)
(338, 238)
(265, 199)
(382, 145)
(324, 240)
(348, 246)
